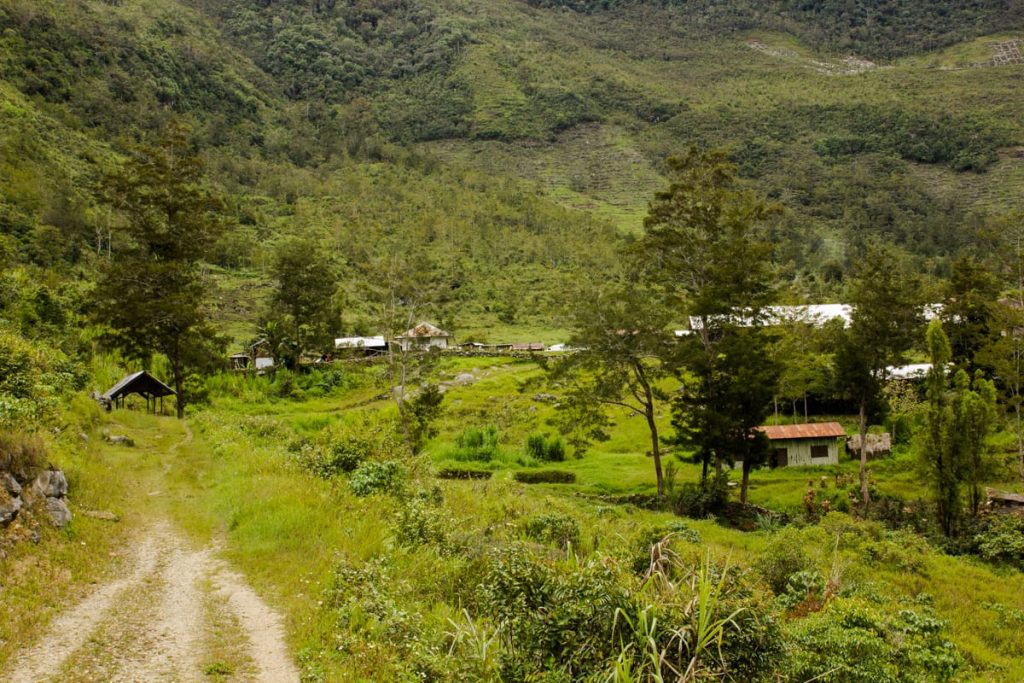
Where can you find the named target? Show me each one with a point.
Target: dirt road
(177, 614)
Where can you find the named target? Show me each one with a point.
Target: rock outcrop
(51, 487)
(47, 493)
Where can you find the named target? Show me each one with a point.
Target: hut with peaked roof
(805, 444)
(141, 383)
(425, 337)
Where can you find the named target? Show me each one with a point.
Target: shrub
(343, 448)
(458, 473)
(545, 477)
(261, 426)
(641, 548)
(417, 524)
(554, 619)
(784, 556)
(851, 641)
(554, 528)
(377, 477)
(546, 449)
(285, 384)
(683, 531)
(701, 499)
(1001, 539)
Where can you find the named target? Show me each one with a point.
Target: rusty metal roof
(817, 430)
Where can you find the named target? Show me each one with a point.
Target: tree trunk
(398, 391)
(652, 425)
(865, 496)
(806, 414)
(1020, 441)
(179, 385)
(746, 480)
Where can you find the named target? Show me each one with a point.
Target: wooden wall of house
(798, 451)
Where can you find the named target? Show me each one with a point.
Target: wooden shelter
(141, 383)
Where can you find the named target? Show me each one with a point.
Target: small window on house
(819, 452)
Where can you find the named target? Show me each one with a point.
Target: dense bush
(545, 477)
(555, 528)
(377, 477)
(555, 620)
(785, 555)
(33, 378)
(852, 641)
(702, 498)
(1001, 539)
(874, 29)
(541, 447)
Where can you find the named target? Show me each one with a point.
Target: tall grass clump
(541, 447)
(21, 453)
(476, 444)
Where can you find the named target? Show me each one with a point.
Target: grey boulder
(10, 484)
(51, 484)
(59, 513)
(9, 508)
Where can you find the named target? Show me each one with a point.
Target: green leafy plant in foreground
(690, 651)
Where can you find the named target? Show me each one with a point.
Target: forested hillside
(542, 125)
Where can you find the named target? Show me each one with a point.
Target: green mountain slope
(511, 140)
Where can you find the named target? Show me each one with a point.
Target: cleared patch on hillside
(998, 190)
(595, 168)
(1003, 49)
(845, 66)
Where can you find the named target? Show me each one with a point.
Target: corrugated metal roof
(817, 430)
(813, 314)
(360, 342)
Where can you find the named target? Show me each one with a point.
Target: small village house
(1004, 502)
(805, 444)
(258, 355)
(528, 346)
(424, 337)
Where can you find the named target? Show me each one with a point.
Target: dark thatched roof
(140, 382)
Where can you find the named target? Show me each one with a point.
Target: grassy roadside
(38, 580)
(238, 484)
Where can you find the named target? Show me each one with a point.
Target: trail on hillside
(175, 613)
